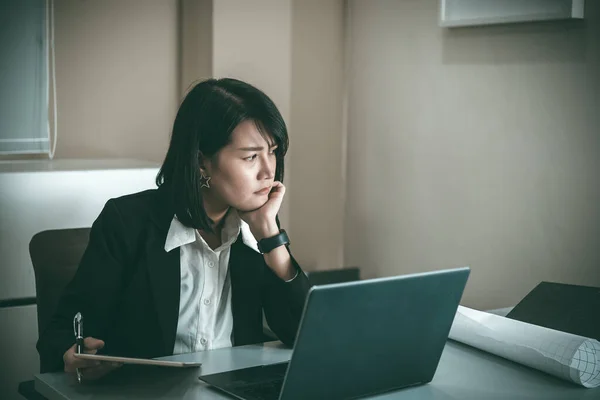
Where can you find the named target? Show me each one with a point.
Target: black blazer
(127, 287)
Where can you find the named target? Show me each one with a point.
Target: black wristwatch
(265, 245)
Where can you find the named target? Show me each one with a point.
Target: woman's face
(242, 172)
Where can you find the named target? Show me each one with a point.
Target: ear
(204, 163)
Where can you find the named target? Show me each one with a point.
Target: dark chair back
(55, 255)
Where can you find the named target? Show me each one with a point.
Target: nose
(267, 168)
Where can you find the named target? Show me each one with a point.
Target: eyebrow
(259, 148)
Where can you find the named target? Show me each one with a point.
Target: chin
(251, 205)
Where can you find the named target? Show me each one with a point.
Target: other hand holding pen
(89, 369)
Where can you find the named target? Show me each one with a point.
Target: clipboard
(140, 361)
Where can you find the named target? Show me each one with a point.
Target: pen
(78, 331)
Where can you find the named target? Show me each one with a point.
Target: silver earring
(204, 181)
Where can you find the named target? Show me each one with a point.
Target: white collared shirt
(205, 317)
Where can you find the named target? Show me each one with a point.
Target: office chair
(55, 255)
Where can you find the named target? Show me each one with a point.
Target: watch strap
(265, 245)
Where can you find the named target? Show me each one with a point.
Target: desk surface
(464, 373)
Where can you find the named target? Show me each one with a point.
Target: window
(24, 44)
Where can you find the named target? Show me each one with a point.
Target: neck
(216, 212)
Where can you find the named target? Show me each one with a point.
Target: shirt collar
(180, 235)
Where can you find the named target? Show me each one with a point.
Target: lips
(264, 190)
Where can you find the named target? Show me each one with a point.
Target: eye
(251, 158)
(272, 151)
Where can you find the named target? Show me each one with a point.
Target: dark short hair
(205, 121)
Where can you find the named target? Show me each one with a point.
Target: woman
(190, 266)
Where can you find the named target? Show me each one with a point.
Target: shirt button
(203, 341)
(211, 264)
(206, 302)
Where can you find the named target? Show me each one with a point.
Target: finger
(97, 372)
(72, 363)
(91, 346)
(90, 343)
(278, 189)
(81, 364)
(277, 185)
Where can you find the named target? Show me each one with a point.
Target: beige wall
(195, 47)
(122, 68)
(316, 132)
(251, 42)
(475, 147)
(116, 76)
(472, 146)
(293, 50)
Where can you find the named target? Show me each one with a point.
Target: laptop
(358, 339)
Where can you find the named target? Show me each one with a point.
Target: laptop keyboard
(265, 390)
(258, 383)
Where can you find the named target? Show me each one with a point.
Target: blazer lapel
(245, 269)
(164, 271)
(165, 279)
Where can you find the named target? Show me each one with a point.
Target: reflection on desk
(464, 373)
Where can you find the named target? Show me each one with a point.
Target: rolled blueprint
(567, 356)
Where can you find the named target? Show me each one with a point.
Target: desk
(464, 373)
